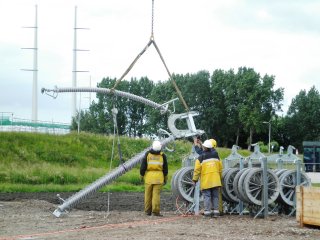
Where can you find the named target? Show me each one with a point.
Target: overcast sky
(275, 37)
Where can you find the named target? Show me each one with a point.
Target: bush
(275, 147)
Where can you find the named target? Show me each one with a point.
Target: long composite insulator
(108, 178)
(131, 96)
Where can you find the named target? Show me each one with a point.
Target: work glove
(194, 183)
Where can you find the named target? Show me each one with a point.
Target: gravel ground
(29, 216)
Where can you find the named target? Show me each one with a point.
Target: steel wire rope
(110, 165)
(152, 41)
(140, 54)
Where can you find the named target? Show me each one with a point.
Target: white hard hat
(207, 144)
(156, 146)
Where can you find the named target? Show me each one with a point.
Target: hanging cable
(110, 168)
(114, 111)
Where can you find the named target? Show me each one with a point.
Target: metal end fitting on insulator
(57, 212)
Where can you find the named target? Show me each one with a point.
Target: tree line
(235, 108)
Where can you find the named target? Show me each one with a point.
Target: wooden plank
(308, 205)
(299, 191)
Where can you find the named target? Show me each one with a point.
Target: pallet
(308, 206)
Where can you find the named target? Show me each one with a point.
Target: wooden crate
(308, 205)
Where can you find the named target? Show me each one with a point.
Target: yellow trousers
(152, 198)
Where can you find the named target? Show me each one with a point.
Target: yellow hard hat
(213, 142)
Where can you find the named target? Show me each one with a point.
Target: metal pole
(265, 187)
(265, 207)
(197, 198)
(34, 113)
(298, 167)
(279, 163)
(269, 144)
(240, 201)
(298, 182)
(74, 70)
(35, 73)
(269, 136)
(79, 114)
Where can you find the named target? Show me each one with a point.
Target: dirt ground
(29, 216)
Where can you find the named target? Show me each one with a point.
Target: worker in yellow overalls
(154, 172)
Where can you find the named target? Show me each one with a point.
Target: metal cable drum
(228, 184)
(278, 172)
(236, 180)
(174, 182)
(242, 196)
(253, 186)
(288, 183)
(185, 184)
(224, 194)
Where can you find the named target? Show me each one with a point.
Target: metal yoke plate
(191, 131)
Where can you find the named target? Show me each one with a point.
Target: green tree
(241, 102)
(161, 93)
(195, 89)
(259, 101)
(302, 121)
(137, 112)
(224, 110)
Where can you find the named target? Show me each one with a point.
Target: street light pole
(269, 145)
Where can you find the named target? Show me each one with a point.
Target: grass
(32, 162)
(48, 163)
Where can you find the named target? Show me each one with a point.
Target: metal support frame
(188, 116)
(279, 162)
(256, 155)
(240, 204)
(265, 196)
(234, 156)
(298, 182)
(196, 202)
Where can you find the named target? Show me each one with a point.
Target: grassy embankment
(55, 163)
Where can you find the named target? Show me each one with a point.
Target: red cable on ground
(118, 225)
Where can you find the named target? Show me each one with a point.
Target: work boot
(157, 214)
(215, 214)
(207, 214)
(148, 213)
